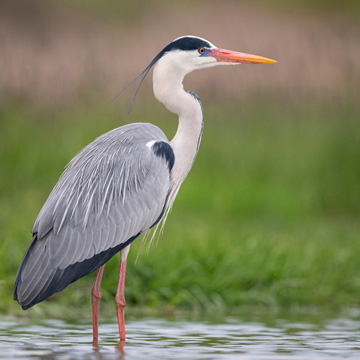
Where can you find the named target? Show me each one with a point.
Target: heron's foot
(120, 347)
(95, 342)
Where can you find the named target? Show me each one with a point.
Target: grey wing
(113, 190)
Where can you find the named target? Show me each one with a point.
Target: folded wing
(115, 189)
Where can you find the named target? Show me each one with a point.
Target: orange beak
(222, 55)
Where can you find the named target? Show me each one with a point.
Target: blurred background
(270, 213)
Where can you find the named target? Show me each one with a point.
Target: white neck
(168, 89)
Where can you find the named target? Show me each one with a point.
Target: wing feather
(70, 253)
(32, 287)
(56, 252)
(83, 248)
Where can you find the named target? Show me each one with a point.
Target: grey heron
(120, 185)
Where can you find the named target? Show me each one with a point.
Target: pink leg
(95, 301)
(120, 297)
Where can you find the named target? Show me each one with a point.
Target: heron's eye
(201, 50)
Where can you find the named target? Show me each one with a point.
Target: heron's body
(119, 186)
(99, 206)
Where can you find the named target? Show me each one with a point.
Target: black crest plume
(184, 43)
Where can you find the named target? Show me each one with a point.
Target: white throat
(168, 76)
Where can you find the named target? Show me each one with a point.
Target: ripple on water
(150, 338)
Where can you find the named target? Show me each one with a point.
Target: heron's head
(188, 53)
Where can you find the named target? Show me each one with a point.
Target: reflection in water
(150, 338)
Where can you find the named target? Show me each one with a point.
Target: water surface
(159, 338)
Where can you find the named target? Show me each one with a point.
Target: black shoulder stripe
(163, 149)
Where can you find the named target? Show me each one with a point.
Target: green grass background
(268, 216)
